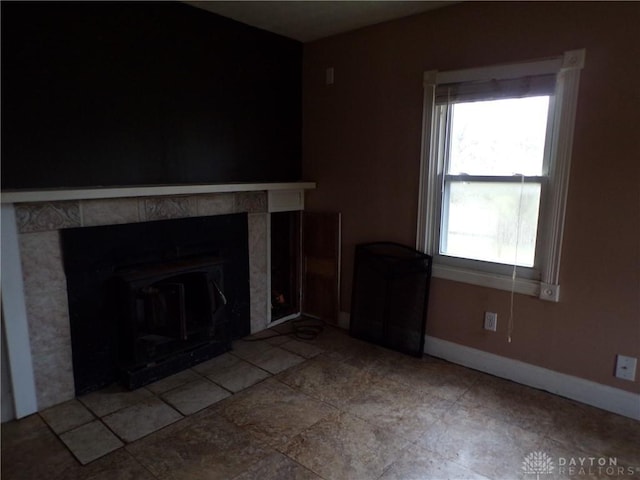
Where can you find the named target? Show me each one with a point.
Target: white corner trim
(550, 292)
(429, 78)
(573, 59)
(14, 314)
(285, 200)
(585, 391)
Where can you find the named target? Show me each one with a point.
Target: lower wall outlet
(626, 367)
(490, 321)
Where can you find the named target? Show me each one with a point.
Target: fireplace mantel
(31, 220)
(60, 194)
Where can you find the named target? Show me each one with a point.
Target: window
(495, 164)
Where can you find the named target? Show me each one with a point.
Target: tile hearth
(98, 423)
(343, 409)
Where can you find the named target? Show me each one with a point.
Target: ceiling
(306, 21)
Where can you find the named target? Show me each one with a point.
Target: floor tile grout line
(253, 364)
(58, 434)
(96, 419)
(258, 460)
(202, 378)
(121, 439)
(119, 409)
(138, 462)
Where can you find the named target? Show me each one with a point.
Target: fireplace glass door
(170, 312)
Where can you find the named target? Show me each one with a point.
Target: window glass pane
(481, 222)
(499, 137)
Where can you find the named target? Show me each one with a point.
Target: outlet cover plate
(626, 367)
(490, 321)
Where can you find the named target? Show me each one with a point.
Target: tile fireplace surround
(34, 292)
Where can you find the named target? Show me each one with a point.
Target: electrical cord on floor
(304, 328)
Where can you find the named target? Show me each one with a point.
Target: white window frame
(548, 252)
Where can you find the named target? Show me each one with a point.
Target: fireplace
(172, 315)
(36, 303)
(149, 299)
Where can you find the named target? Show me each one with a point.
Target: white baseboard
(585, 391)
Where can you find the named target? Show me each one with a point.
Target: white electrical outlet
(490, 321)
(626, 367)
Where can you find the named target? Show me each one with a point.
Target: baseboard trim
(585, 391)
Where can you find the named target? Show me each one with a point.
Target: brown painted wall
(361, 142)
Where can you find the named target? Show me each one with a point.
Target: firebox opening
(169, 309)
(149, 299)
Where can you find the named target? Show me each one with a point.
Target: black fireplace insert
(149, 299)
(172, 315)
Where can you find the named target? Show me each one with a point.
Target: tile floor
(331, 408)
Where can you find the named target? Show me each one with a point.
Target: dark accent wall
(145, 93)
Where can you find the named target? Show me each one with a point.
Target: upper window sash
(495, 89)
(444, 114)
(566, 70)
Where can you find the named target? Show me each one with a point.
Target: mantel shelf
(51, 195)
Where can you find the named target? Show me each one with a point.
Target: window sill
(500, 282)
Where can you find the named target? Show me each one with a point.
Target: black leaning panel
(390, 296)
(144, 93)
(93, 255)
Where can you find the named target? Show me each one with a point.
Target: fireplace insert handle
(218, 309)
(220, 294)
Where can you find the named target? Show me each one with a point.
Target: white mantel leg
(15, 318)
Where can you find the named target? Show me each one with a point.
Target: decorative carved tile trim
(110, 211)
(251, 202)
(165, 208)
(216, 204)
(40, 217)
